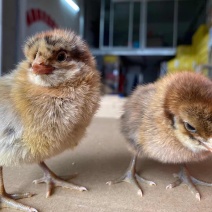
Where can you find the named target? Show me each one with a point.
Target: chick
(46, 105)
(169, 121)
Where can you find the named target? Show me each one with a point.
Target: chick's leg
(8, 200)
(184, 177)
(52, 180)
(130, 176)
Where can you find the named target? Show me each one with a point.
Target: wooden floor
(100, 157)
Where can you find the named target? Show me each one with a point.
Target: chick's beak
(39, 68)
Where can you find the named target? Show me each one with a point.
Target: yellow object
(181, 64)
(199, 34)
(184, 50)
(110, 59)
(189, 56)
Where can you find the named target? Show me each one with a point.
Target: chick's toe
(7, 202)
(184, 177)
(132, 177)
(52, 181)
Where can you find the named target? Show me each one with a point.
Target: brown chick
(46, 105)
(170, 121)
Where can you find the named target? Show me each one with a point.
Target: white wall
(58, 10)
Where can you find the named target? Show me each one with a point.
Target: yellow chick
(46, 105)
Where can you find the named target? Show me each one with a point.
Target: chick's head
(189, 106)
(56, 56)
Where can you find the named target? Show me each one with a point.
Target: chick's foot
(8, 200)
(184, 177)
(52, 181)
(130, 176)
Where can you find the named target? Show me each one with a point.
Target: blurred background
(134, 41)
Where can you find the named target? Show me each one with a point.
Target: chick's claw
(184, 177)
(21, 195)
(52, 181)
(141, 179)
(130, 176)
(174, 184)
(7, 202)
(199, 182)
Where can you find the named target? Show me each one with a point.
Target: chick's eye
(61, 56)
(189, 127)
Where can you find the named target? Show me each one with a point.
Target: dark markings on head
(32, 42)
(9, 131)
(51, 41)
(170, 116)
(173, 122)
(35, 53)
(195, 139)
(40, 54)
(192, 137)
(80, 54)
(49, 49)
